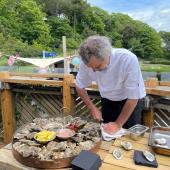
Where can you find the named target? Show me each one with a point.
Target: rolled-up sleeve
(133, 79)
(83, 79)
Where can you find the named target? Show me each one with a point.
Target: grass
(144, 67)
(155, 68)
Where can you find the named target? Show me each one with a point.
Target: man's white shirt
(122, 79)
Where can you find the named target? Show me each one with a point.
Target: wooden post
(66, 64)
(148, 117)
(8, 117)
(68, 100)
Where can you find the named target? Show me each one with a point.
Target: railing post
(8, 116)
(68, 100)
(148, 117)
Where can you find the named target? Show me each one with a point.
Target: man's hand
(96, 113)
(111, 127)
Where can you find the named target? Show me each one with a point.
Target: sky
(156, 13)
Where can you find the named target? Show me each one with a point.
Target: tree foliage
(24, 20)
(166, 43)
(40, 24)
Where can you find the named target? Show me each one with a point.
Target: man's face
(97, 64)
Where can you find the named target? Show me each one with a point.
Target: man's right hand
(96, 113)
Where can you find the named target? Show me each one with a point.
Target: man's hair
(95, 46)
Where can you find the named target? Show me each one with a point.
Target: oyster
(91, 126)
(16, 144)
(31, 135)
(34, 151)
(68, 152)
(77, 150)
(149, 156)
(61, 146)
(117, 153)
(23, 149)
(67, 119)
(51, 145)
(53, 126)
(160, 141)
(86, 145)
(71, 145)
(45, 154)
(79, 137)
(29, 142)
(24, 131)
(57, 155)
(19, 136)
(126, 145)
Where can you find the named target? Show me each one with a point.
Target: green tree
(150, 40)
(60, 27)
(166, 43)
(24, 20)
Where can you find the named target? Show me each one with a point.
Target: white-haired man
(118, 76)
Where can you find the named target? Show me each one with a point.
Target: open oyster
(160, 141)
(149, 156)
(126, 145)
(117, 153)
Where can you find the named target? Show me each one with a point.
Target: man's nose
(94, 69)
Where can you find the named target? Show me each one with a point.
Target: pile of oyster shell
(86, 137)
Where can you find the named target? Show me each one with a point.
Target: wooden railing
(67, 94)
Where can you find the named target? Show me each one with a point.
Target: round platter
(51, 164)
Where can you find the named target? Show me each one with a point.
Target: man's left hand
(111, 127)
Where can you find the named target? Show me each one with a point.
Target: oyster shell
(16, 144)
(31, 135)
(19, 136)
(29, 142)
(61, 146)
(117, 153)
(25, 131)
(149, 156)
(126, 145)
(51, 145)
(68, 152)
(53, 126)
(86, 145)
(160, 141)
(77, 150)
(23, 149)
(45, 154)
(79, 137)
(57, 155)
(34, 151)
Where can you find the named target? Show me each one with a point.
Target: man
(119, 79)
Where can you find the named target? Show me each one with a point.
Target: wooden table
(7, 161)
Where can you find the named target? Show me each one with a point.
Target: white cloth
(108, 137)
(122, 78)
(41, 62)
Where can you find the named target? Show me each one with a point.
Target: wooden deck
(7, 161)
(66, 83)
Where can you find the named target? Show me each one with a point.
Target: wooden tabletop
(33, 81)
(127, 163)
(39, 79)
(159, 91)
(7, 161)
